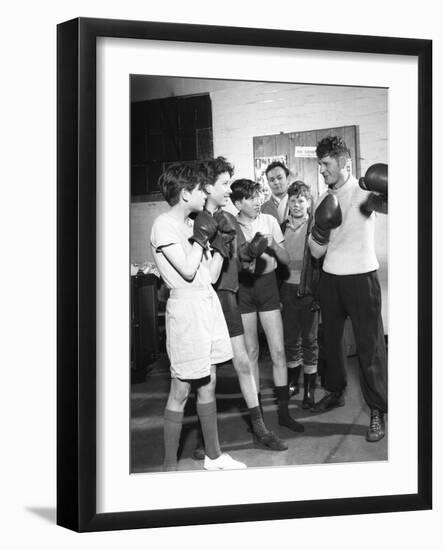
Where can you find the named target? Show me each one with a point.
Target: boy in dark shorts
(231, 244)
(258, 292)
(196, 333)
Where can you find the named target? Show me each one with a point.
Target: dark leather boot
(376, 430)
(330, 401)
(309, 394)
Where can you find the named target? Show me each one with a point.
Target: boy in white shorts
(196, 333)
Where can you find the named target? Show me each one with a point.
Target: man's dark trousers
(359, 297)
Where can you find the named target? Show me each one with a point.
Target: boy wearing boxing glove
(230, 243)
(197, 337)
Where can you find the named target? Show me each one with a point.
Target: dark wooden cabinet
(145, 342)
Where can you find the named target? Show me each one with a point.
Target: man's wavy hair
(177, 177)
(332, 146)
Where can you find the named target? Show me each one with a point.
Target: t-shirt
(267, 225)
(295, 239)
(166, 231)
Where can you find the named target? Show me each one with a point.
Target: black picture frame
(76, 279)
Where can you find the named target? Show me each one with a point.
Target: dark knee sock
(259, 403)
(207, 413)
(173, 421)
(200, 444)
(293, 375)
(258, 426)
(284, 418)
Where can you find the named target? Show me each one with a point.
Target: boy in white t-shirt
(196, 333)
(258, 292)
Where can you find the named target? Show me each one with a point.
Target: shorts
(196, 332)
(196, 382)
(258, 293)
(231, 311)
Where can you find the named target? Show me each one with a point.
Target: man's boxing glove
(374, 203)
(376, 182)
(205, 228)
(326, 217)
(253, 249)
(376, 179)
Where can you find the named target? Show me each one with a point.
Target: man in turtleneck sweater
(349, 286)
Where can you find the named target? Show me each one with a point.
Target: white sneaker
(223, 462)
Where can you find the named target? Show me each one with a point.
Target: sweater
(351, 248)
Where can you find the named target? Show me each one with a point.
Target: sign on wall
(303, 151)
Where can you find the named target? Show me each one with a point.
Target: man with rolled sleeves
(343, 233)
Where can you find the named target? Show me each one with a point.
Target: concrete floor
(336, 436)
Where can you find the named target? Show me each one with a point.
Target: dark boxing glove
(374, 203)
(225, 222)
(327, 217)
(376, 179)
(253, 249)
(226, 233)
(223, 243)
(205, 228)
(376, 182)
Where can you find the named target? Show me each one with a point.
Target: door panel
(303, 164)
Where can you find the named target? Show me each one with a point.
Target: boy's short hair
(277, 164)
(244, 189)
(332, 146)
(300, 189)
(177, 177)
(215, 167)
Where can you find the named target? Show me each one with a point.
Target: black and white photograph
(239, 294)
(259, 274)
(207, 342)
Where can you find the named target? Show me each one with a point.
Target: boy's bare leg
(243, 368)
(248, 388)
(173, 421)
(249, 321)
(272, 325)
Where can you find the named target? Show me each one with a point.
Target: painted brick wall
(254, 109)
